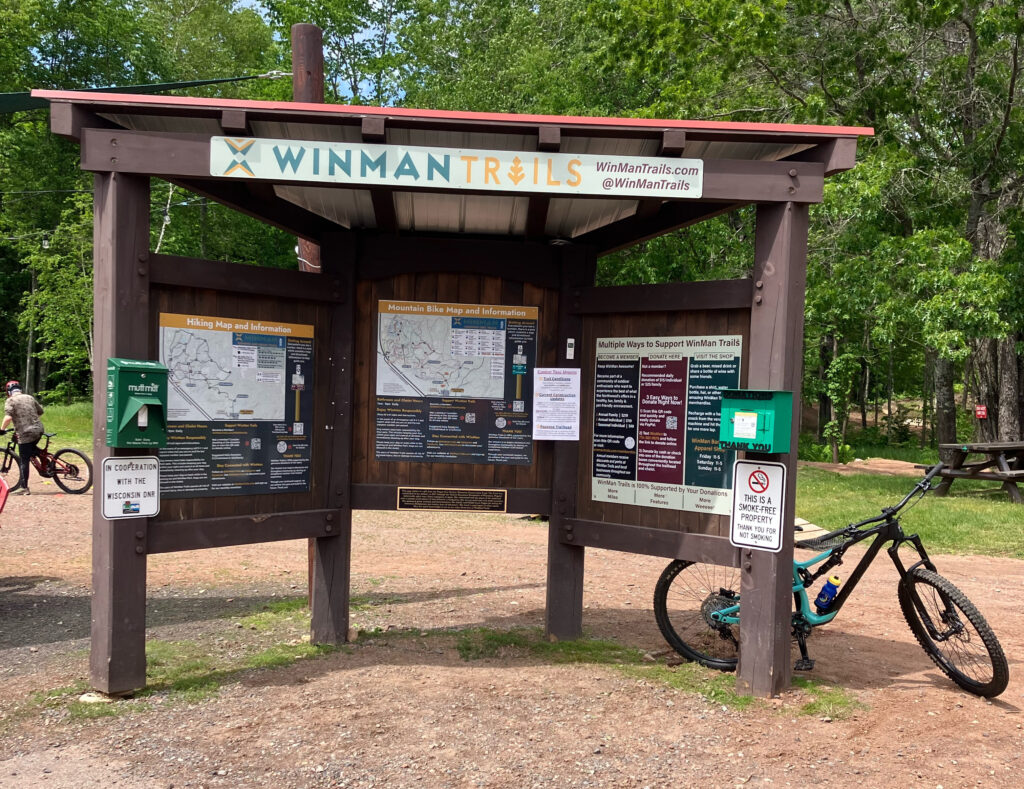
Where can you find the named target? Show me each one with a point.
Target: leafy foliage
(913, 258)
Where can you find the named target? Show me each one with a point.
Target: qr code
(470, 419)
(298, 428)
(518, 406)
(671, 422)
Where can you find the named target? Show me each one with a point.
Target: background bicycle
(697, 605)
(69, 468)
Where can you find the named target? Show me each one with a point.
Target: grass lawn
(969, 520)
(72, 424)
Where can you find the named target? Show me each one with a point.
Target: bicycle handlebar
(923, 486)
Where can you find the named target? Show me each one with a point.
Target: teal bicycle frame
(884, 528)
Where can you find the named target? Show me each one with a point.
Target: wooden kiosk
(494, 223)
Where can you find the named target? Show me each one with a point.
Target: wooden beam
(634, 229)
(647, 541)
(160, 154)
(383, 256)
(564, 596)
(191, 535)
(332, 559)
(67, 120)
(307, 63)
(549, 138)
(673, 142)
(234, 122)
(537, 217)
(117, 658)
(237, 278)
(749, 181)
(374, 128)
(242, 196)
(171, 155)
(776, 357)
(838, 155)
(384, 212)
(730, 294)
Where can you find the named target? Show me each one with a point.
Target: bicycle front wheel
(72, 471)
(9, 468)
(686, 595)
(953, 633)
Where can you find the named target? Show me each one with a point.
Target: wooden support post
(332, 555)
(308, 87)
(564, 610)
(117, 660)
(776, 354)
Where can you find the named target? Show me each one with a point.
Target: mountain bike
(697, 605)
(69, 468)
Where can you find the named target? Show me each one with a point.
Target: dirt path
(404, 709)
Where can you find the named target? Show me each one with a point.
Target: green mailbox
(756, 420)
(136, 403)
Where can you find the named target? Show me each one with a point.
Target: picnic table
(999, 461)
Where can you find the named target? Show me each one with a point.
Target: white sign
(758, 505)
(411, 166)
(130, 487)
(556, 404)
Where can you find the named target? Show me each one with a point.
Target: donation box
(136, 403)
(756, 420)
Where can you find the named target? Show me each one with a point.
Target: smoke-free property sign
(758, 503)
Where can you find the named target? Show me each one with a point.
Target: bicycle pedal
(804, 664)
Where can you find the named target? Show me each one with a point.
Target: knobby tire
(964, 647)
(79, 480)
(684, 597)
(9, 468)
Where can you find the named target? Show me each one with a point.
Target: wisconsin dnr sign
(455, 168)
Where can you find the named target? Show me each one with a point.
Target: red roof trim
(95, 97)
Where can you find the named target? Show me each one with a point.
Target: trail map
(239, 406)
(440, 356)
(223, 375)
(454, 382)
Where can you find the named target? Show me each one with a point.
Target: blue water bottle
(827, 594)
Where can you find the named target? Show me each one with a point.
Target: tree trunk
(1020, 390)
(824, 404)
(888, 394)
(865, 377)
(945, 403)
(986, 365)
(1008, 425)
(926, 394)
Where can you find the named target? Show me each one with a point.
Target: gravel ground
(402, 708)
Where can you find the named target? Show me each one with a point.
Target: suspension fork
(923, 561)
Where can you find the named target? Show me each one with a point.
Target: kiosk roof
(453, 211)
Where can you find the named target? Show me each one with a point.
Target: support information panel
(656, 413)
(239, 406)
(455, 382)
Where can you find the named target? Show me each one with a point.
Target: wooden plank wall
(453, 288)
(653, 324)
(227, 304)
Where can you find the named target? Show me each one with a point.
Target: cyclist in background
(24, 412)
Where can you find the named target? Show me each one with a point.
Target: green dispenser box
(136, 403)
(756, 420)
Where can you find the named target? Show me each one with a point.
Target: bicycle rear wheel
(684, 598)
(72, 471)
(953, 633)
(9, 468)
